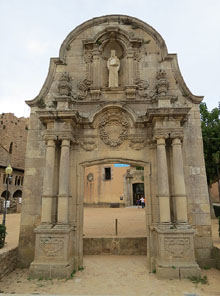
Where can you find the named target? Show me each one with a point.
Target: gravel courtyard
(108, 275)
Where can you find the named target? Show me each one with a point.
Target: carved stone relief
(64, 86)
(90, 177)
(88, 144)
(113, 128)
(82, 89)
(138, 144)
(51, 246)
(176, 247)
(162, 83)
(142, 86)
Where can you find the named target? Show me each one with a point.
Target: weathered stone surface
(148, 118)
(8, 261)
(115, 246)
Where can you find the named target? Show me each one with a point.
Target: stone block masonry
(8, 261)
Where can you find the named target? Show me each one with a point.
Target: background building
(13, 138)
(113, 185)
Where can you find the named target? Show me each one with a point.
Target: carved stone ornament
(64, 85)
(142, 86)
(137, 144)
(162, 83)
(113, 128)
(51, 245)
(90, 177)
(88, 144)
(82, 89)
(176, 247)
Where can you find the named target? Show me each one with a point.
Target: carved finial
(64, 86)
(162, 84)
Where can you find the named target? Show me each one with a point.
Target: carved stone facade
(149, 118)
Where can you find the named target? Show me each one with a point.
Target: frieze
(113, 128)
(51, 246)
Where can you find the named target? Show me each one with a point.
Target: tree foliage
(210, 123)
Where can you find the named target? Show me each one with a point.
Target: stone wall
(8, 261)
(115, 246)
(13, 135)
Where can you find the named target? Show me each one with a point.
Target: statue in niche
(113, 65)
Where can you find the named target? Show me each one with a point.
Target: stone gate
(115, 95)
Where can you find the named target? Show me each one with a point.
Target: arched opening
(11, 148)
(18, 197)
(4, 193)
(17, 194)
(108, 208)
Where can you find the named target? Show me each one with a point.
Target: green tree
(210, 123)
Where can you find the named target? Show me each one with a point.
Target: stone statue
(113, 65)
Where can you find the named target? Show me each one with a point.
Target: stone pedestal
(53, 253)
(130, 91)
(175, 256)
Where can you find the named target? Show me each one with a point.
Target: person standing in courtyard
(142, 202)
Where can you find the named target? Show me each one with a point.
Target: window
(107, 173)
(11, 148)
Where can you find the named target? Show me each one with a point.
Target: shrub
(216, 210)
(2, 235)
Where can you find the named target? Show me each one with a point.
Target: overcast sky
(32, 31)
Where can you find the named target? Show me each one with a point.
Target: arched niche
(98, 50)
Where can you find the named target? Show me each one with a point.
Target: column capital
(176, 134)
(160, 140)
(176, 141)
(50, 137)
(65, 142)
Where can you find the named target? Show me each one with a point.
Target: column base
(54, 256)
(174, 255)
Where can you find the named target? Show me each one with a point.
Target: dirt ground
(108, 275)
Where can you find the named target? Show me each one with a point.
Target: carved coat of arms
(113, 128)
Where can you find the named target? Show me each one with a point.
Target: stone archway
(149, 117)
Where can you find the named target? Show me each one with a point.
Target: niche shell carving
(113, 128)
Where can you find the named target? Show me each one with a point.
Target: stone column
(48, 182)
(130, 61)
(96, 68)
(63, 198)
(179, 183)
(162, 181)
